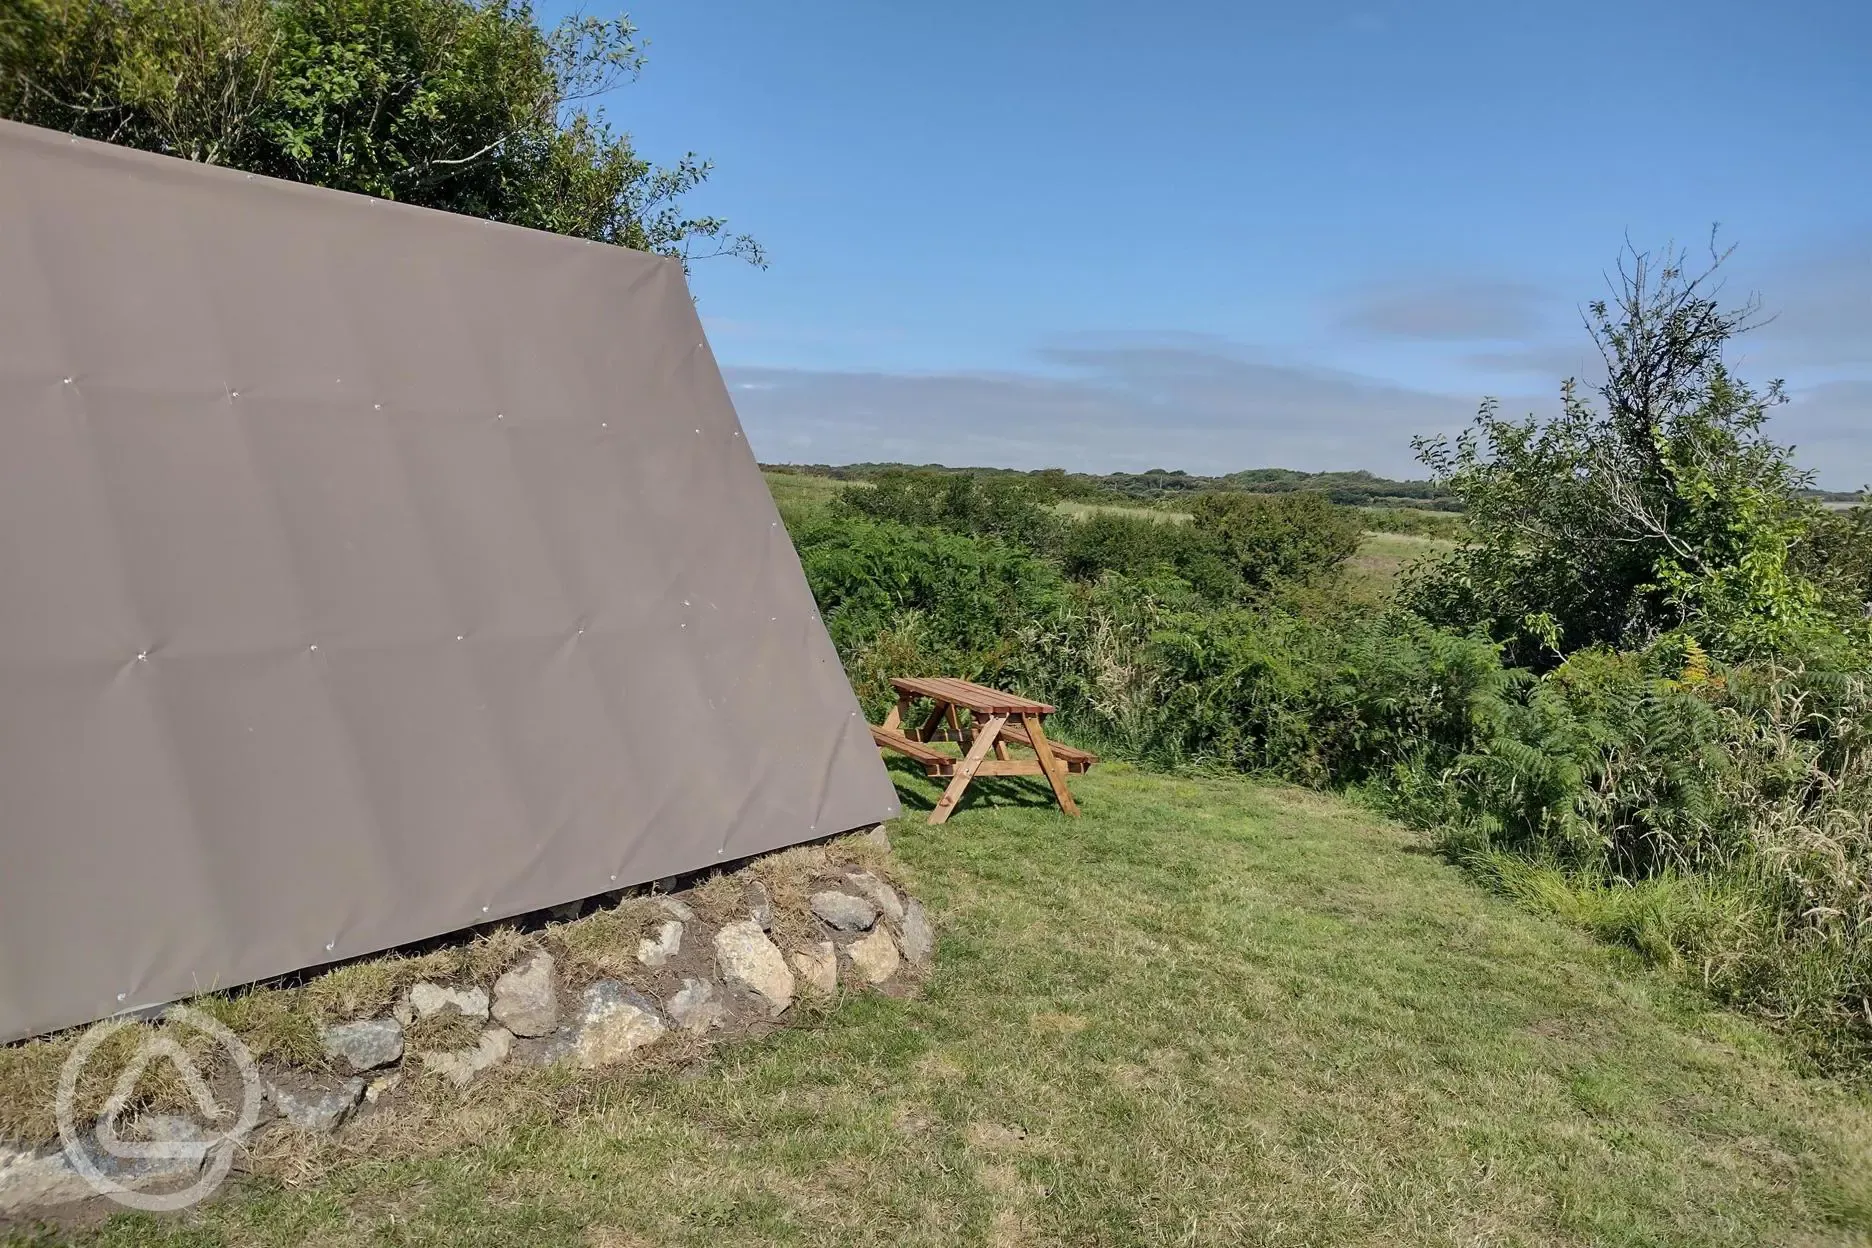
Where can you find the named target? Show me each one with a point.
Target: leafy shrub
(1719, 818)
(1014, 508)
(950, 602)
(1146, 665)
(1235, 547)
(1665, 507)
(1604, 766)
(463, 105)
(1271, 538)
(1140, 547)
(1836, 553)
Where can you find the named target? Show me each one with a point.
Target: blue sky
(1217, 236)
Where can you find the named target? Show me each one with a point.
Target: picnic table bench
(995, 720)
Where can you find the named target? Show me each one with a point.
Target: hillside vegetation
(1164, 486)
(1631, 683)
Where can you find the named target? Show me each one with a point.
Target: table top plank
(967, 694)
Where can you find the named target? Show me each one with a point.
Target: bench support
(965, 770)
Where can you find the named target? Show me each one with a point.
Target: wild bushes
(1267, 540)
(1238, 545)
(1639, 694)
(901, 598)
(1695, 749)
(1141, 547)
(1713, 816)
(468, 106)
(1662, 508)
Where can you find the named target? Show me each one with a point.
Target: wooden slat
(967, 694)
(1010, 767)
(1077, 761)
(1065, 753)
(986, 701)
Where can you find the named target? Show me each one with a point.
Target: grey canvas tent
(366, 572)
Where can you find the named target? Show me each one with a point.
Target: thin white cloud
(1448, 311)
(1101, 402)
(1830, 426)
(1820, 299)
(1203, 409)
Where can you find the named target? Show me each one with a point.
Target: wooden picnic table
(996, 720)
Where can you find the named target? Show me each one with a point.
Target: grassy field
(1079, 511)
(1382, 556)
(798, 491)
(1209, 1012)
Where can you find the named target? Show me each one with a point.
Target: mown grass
(1208, 1012)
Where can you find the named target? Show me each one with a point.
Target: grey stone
(526, 997)
(427, 998)
(918, 938)
(666, 945)
(760, 905)
(882, 895)
(675, 908)
(175, 1129)
(35, 1180)
(32, 1179)
(843, 911)
(364, 1045)
(460, 1066)
(318, 1106)
(613, 1021)
(817, 967)
(880, 837)
(875, 957)
(752, 964)
(694, 1007)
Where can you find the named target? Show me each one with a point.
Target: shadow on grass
(918, 792)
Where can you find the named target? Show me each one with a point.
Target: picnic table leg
(935, 717)
(965, 770)
(893, 721)
(1050, 764)
(955, 727)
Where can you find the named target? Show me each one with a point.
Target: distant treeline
(1171, 485)
(1157, 485)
